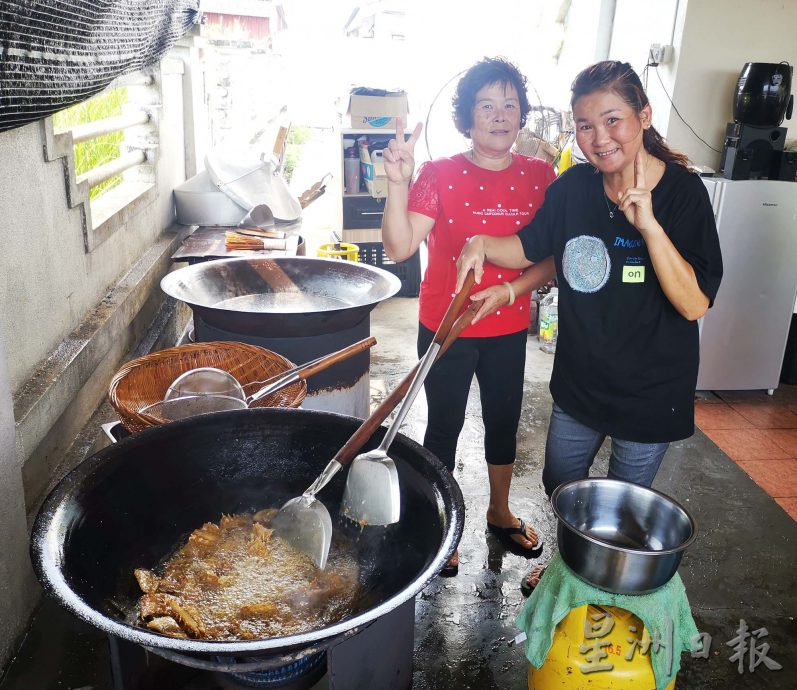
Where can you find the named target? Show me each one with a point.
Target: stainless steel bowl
(621, 537)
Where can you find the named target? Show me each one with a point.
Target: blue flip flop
(504, 535)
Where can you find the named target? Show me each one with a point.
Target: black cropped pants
(498, 363)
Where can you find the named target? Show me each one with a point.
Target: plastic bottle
(351, 170)
(549, 321)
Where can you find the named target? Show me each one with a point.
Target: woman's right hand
(399, 156)
(492, 298)
(471, 257)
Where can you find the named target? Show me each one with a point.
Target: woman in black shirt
(636, 252)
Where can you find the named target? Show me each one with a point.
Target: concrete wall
(17, 587)
(717, 39)
(49, 281)
(636, 26)
(71, 313)
(712, 39)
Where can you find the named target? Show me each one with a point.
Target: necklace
(608, 207)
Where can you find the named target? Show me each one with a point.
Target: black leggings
(498, 363)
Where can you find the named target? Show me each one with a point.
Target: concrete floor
(740, 567)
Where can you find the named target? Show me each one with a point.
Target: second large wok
(281, 297)
(133, 503)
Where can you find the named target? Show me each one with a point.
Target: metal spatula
(304, 521)
(372, 495)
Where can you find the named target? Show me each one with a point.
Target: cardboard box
(378, 188)
(373, 171)
(376, 112)
(355, 236)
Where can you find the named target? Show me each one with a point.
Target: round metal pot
(135, 502)
(281, 297)
(620, 537)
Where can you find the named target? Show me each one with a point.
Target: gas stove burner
(298, 675)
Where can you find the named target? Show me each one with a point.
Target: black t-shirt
(626, 360)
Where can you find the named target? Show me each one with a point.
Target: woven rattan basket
(144, 380)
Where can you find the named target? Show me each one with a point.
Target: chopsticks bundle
(234, 241)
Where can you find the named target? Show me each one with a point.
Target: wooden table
(208, 242)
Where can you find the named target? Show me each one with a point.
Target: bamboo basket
(143, 381)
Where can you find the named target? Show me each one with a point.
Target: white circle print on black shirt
(586, 264)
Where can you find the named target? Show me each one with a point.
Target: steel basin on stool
(620, 537)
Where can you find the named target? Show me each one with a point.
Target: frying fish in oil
(235, 580)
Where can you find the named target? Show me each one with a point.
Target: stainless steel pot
(621, 537)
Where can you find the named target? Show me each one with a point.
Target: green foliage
(90, 154)
(297, 136)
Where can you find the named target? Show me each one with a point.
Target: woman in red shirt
(486, 190)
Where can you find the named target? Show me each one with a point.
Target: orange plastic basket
(143, 381)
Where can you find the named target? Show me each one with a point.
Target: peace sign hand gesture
(399, 156)
(637, 203)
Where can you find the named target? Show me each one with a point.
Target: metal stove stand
(377, 658)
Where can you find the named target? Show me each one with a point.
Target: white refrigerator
(743, 336)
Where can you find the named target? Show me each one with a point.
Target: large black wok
(338, 294)
(133, 503)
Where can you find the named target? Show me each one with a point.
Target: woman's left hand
(637, 203)
(675, 275)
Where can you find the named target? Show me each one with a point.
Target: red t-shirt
(466, 200)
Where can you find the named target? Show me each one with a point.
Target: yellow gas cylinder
(567, 667)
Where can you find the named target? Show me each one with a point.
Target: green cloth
(560, 591)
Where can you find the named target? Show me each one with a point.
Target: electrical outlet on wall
(660, 54)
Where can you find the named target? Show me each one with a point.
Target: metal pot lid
(251, 182)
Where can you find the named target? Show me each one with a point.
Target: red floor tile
(764, 444)
(767, 416)
(719, 416)
(777, 477)
(786, 439)
(789, 505)
(747, 444)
